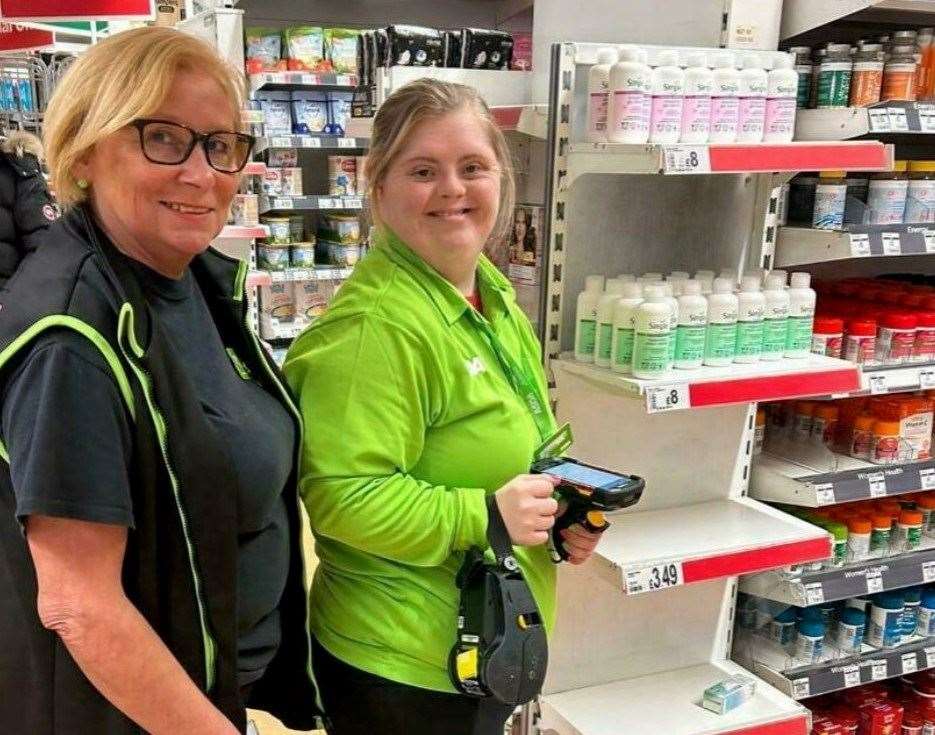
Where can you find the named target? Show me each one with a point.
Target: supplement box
(311, 298)
(525, 244)
(729, 694)
(245, 210)
(291, 182)
(414, 46)
(277, 304)
(342, 175)
(272, 182)
(283, 157)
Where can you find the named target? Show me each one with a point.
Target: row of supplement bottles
(684, 100)
(649, 326)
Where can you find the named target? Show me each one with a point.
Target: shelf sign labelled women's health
(86, 10)
(14, 37)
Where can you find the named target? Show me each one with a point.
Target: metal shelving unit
(797, 246)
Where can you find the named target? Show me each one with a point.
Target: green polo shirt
(411, 422)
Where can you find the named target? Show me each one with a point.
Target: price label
(899, 123)
(927, 478)
(928, 572)
(877, 384)
(929, 236)
(930, 657)
(309, 141)
(347, 143)
(926, 379)
(324, 203)
(874, 582)
(891, 243)
(879, 120)
(667, 398)
(910, 663)
(824, 493)
(686, 159)
(801, 688)
(878, 670)
(860, 245)
(654, 578)
(307, 79)
(877, 483)
(345, 80)
(283, 203)
(353, 202)
(277, 276)
(851, 676)
(814, 594)
(926, 118)
(281, 141)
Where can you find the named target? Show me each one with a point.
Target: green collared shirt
(411, 422)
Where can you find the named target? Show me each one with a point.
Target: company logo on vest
(475, 366)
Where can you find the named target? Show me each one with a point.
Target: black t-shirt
(67, 430)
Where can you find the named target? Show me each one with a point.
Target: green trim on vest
(126, 332)
(86, 330)
(240, 281)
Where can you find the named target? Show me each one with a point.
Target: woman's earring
(83, 183)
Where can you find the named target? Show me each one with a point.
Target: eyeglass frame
(197, 138)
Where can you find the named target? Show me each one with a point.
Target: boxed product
(276, 304)
(364, 43)
(522, 52)
(342, 175)
(339, 107)
(311, 298)
(341, 45)
(263, 50)
(277, 115)
(414, 46)
(340, 228)
(361, 164)
(305, 48)
(525, 244)
(452, 48)
(291, 181)
(309, 112)
(283, 157)
(245, 211)
(272, 182)
(481, 49)
(729, 694)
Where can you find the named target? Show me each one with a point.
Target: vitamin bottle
(781, 88)
(629, 101)
(598, 95)
(926, 625)
(803, 70)
(912, 603)
(824, 424)
(920, 196)
(860, 341)
(908, 532)
(880, 535)
(669, 293)
(624, 324)
(830, 201)
(867, 79)
(721, 336)
(858, 539)
(751, 115)
(886, 196)
(751, 306)
(885, 449)
(924, 348)
(782, 627)
(775, 316)
(605, 321)
(804, 420)
(690, 333)
(652, 334)
(828, 336)
(808, 641)
(801, 315)
(668, 96)
(899, 75)
(725, 107)
(862, 437)
(586, 318)
(850, 630)
(834, 76)
(886, 621)
(696, 111)
(896, 334)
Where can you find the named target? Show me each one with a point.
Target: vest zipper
(146, 382)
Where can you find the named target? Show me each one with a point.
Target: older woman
(149, 523)
(428, 377)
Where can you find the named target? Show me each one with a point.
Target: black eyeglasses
(170, 144)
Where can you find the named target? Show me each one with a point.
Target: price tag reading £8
(654, 578)
(685, 159)
(667, 398)
(860, 245)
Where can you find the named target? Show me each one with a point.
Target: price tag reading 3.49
(654, 578)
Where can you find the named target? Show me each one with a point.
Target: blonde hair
(125, 77)
(425, 99)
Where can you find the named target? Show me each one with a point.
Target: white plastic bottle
(781, 89)
(605, 321)
(801, 316)
(652, 335)
(598, 86)
(696, 111)
(706, 279)
(627, 278)
(750, 307)
(775, 316)
(725, 107)
(586, 318)
(729, 274)
(721, 335)
(677, 279)
(751, 115)
(690, 333)
(624, 326)
(669, 293)
(665, 122)
(629, 104)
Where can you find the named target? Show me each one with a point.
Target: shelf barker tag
(926, 118)
(824, 493)
(879, 120)
(929, 236)
(310, 141)
(878, 670)
(877, 384)
(667, 398)
(851, 676)
(927, 478)
(814, 594)
(801, 688)
(899, 123)
(874, 581)
(281, 142)
(927, 379)
(654, 577)
(686, 159)
(860, 245)
(930, 657)
(877, 481)
(910, 663)
(928, 572)
(891, 243)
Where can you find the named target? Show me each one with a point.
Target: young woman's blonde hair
(125, 77)
(425, 99)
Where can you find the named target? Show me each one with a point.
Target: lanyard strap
(523, 385)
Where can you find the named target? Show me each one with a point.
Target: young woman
(416, 379)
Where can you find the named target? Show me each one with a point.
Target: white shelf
(803, 245)
(717, 386)
(799, 16)
(497, 88)
(669, 704)
(705, 541)
(531, 120)
(898, 379)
